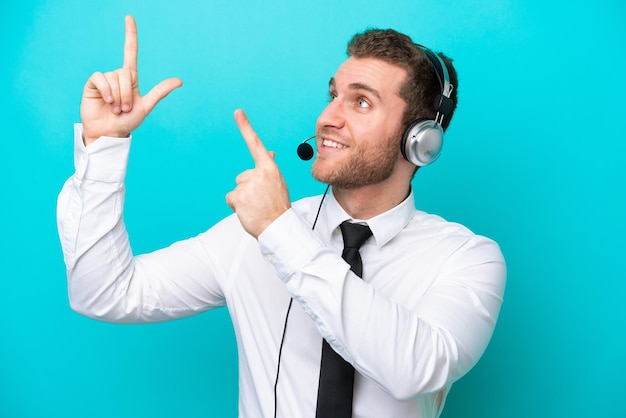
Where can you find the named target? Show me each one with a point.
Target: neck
(368, 201)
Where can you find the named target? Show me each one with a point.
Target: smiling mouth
(332, 144)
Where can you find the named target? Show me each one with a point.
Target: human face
(358, 134)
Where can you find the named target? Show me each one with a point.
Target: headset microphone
(305, 151)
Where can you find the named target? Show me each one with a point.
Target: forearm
(105, 280)
(95, 245)
(89, 214)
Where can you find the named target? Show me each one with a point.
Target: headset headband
(443, 102)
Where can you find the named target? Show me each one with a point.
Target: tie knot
(354, 235)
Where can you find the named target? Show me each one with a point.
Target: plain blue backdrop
(534, 158)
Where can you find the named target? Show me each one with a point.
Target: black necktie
(334, 395)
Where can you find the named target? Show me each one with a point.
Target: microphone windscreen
(305, 151)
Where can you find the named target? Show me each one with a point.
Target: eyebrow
(356, 86)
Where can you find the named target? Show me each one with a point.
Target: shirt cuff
(288, 244)
(104, 160)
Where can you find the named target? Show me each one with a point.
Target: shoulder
(425, 222)
(453, 236)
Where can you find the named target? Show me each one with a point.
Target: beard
(364, 167)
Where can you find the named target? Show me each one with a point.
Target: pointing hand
(261, 194)
(112, 105)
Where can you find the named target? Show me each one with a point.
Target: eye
(362, 103)
(332, 96)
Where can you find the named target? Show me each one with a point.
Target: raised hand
(261, 193)
(111, 104)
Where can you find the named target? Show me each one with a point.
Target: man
(416, 321)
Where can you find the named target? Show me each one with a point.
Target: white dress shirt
(417, 321)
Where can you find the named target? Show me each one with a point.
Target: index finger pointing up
(130, 44)
(258, 151)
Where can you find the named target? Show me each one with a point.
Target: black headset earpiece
(423, 138)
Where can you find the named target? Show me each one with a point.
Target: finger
(245, 176)
(130, 44)
(230, 199)
(259, 153)
(97, 86)
(159, 92)
(114, 84)
(126, 89)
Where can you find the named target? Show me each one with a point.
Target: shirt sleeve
(105, 280)
(405, 350)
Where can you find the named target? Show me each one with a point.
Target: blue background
(534, 159)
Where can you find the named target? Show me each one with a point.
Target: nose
(332, 115)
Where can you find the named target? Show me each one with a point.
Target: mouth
(329, 143)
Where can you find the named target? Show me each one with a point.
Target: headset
(423, 138)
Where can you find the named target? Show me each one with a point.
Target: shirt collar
(384, 226)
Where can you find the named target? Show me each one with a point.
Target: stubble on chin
(359, 170)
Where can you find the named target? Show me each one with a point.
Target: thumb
(159, 92)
